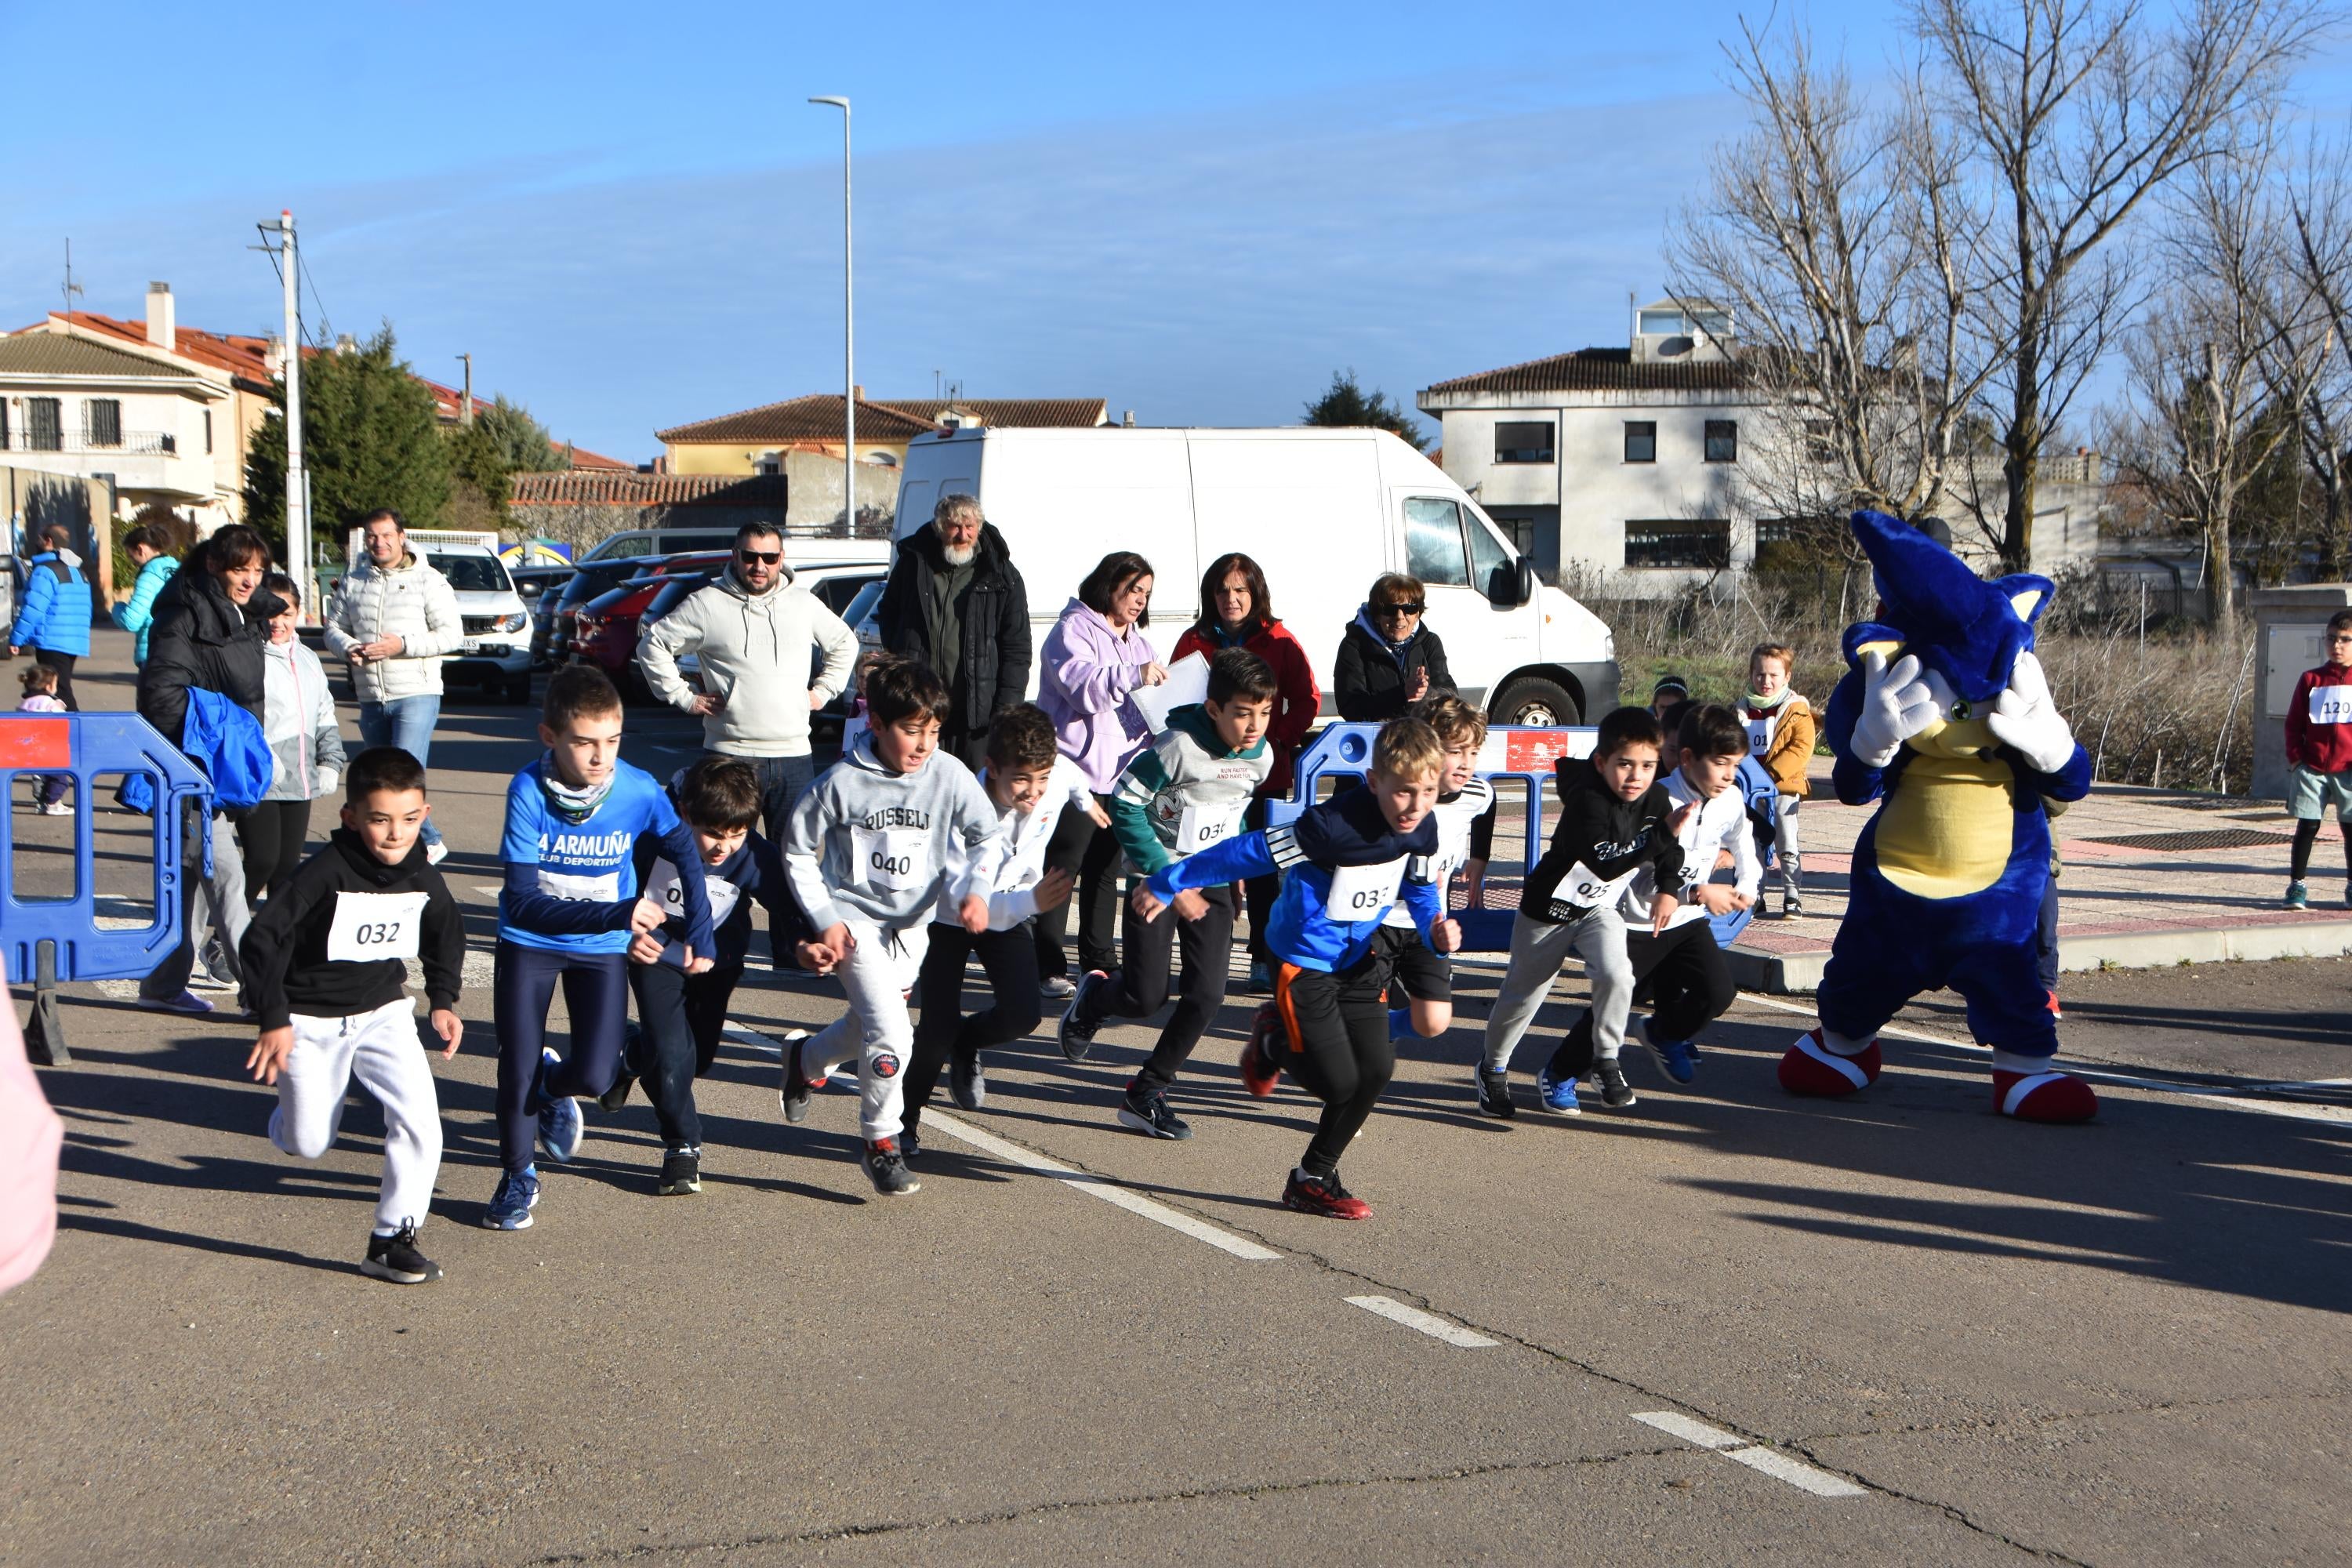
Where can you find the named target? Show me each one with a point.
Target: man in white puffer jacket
(758, 635)
(395, 618)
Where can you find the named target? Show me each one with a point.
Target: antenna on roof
(70, 287)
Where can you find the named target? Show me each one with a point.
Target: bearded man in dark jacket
(956, 601)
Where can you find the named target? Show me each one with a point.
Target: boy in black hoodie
(1614, 819)
(322, 964)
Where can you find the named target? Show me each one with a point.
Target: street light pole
(848, 338)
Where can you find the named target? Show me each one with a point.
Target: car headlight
(513, 623)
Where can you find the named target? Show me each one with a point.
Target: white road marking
(1096, 1186)
(1412, 1318)
(2211, 1094)
(1755, 1456)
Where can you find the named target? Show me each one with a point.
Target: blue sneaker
(1557, 1095)
(1678, 1060)
(560, 1126)
(510, 1205)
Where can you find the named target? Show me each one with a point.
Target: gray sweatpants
(208, 906)
(1538, 950)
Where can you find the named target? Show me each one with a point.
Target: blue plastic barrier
(48, 939)
(1345, 751)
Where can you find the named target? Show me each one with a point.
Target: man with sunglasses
(1387, 660)
(758, 636)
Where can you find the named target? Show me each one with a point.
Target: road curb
(1800, 973)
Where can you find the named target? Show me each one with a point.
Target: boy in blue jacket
(1343, 862)
(54, 619)
(568, 913)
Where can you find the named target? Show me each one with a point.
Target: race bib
(891, 860)
(1760, 734)
(1202, 825)
(1587, 889)
(1360, 893)
(373, 926)
(664, 888)
(602, 889)
(2331, 704)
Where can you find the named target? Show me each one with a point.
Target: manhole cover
(2211, 838)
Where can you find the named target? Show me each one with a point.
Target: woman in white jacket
(395, 618)
(298, 722)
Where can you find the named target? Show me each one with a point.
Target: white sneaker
(58, 808)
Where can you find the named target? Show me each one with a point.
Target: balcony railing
(131, 443)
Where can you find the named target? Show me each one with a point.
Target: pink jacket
(1087, 673)
(30, 1134)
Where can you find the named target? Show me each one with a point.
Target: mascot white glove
(1896, 704)
(2023, 719)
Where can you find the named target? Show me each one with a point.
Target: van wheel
(1534, 702)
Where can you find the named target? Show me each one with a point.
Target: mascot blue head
(1966, 629)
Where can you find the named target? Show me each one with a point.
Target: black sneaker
(613, 1098)
(885, 1165)
(1615, 1093)
(1145, 1108)
(681, 1173)
(968, 1082)
(395, 1257)
(1076, 1033)
(911, 1142)
(1495, 1095)
(795, 1090)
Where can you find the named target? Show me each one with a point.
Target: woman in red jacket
(1237, 612)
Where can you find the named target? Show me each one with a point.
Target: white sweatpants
(876, 1033)
(1538, 950)
(382, 1051)
(1784, 842)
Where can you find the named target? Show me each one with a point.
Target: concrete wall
(812, 481)
(744, 457)
(2290, 636)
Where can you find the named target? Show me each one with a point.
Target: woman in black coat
(211, 622)
(1387, 660)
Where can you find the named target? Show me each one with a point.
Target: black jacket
(283, 953)
(994, 671)
(1370, 683)
(1608, 837)
(756, 872)
(200, 638)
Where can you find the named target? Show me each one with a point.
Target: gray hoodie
(755, 650)
(864, 843)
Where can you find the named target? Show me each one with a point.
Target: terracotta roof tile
(54, 353)
(602, 487)
(1014, 412)
(817, 417)
(1602, 370)
(582, 458)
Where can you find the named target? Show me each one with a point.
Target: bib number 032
(370, 927)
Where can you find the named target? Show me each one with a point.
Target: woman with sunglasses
(1388, 660)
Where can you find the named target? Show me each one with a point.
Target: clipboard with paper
(1187, 683)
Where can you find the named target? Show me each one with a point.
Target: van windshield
(473, 573)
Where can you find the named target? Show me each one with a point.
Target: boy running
(1466, 841)
(680, 1015)
(323, 964)
(1343, 864)
(568, 913)
(1779, 725)
(1679, 964)
(1030, 784)
(1613, 822)
(1180, 794)
(2319, 750)
(872, 848)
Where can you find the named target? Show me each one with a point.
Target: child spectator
(680, 1015)
(568, 913)
(1615, 819)
(1781, 736)
(1344, 863)
(298, 722)
(1678, 960)
(873, 847)
(2319, 750)
(1031, 784)
(1180, 794)
(1466, 842)
(1671, 692)
(146, 547)
(322, 962)
(40, 684)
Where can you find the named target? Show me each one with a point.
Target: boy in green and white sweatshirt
(1185, 792)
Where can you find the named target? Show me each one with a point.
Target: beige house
(757, 440)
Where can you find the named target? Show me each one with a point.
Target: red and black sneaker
(1259, 1064)
(1323, 1196)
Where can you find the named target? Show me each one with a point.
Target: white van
(798, 547)
(1322, 511)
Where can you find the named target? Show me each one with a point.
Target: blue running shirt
(571, 886)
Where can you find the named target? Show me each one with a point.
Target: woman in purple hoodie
(1094, 658)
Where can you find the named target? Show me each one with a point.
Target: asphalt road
(1899, 1328)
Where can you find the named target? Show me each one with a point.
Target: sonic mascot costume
(1944, 714)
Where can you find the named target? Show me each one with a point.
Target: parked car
(533, 583)
(835, 585)
(551, 640)
(495, 653)
(800, 549)
(604, 629)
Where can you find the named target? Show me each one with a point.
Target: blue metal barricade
(1345, 751)
(48, 934)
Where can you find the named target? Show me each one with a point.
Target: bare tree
(2077, 112)
(2316, 330)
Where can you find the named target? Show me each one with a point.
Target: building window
(1690, 542)
(1640, 440)
(1820, 441)
(45, 424)
(208, 432)
(3, 424)
(1523, 443)
(1723, 441)
(102, 421)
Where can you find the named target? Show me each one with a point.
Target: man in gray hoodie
(758, 635)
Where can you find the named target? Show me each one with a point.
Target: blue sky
(631, 219)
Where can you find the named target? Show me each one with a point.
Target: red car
(604, 632)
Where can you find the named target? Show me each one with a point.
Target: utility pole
(298, 489)
(465, 408)
(848, 339)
